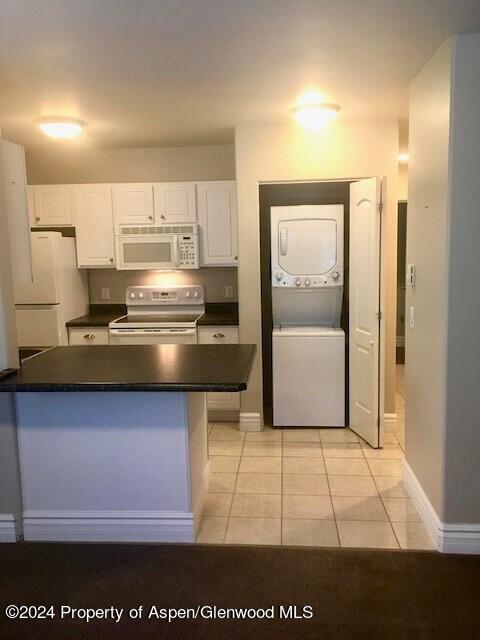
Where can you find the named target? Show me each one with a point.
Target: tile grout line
(234, 487)
(330, 492)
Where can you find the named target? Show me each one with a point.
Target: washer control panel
(333, 278)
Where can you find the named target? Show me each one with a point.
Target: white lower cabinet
(220, 335)
(88, 335)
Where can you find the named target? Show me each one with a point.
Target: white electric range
(160, 315)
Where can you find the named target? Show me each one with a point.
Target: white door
(43, 288)
(53, 205)
(365, 222)
(133, 203)
(175, 202)
(217, 217)
(94, 225)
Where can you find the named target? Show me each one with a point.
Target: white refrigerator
(56, 293)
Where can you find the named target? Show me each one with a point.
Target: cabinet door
(53, 205)
(220, 335)
(217, 217)
(12, 157)
(94, 225)
(133, 204)
(88, 335)
(175, 202)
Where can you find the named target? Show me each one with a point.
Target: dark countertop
(167, 367)
(100, 315)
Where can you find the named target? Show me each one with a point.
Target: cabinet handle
(162, 217)
(235, 258)
(111, 260)
(37, 218)
(218, 335)
(89, 336)
(150, 217)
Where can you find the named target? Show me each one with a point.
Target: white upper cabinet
(94, 225)
(12, 159)
(217, 217)
(175, 202)
(52, 205)
(133, 204)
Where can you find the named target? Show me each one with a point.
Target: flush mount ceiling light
(315, 116)
(403, 158)
(61, 128)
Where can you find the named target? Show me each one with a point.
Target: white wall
(443, 366)
(63, 164)
(426, 248)
(462, 453)
(286, 153)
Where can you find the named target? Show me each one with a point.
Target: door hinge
(379, 315)
(380, 207)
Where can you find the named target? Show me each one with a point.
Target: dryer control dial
(279, 276)
(307, 282)
(335, 275)
(298, 283)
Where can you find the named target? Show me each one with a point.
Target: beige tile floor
(315, 487)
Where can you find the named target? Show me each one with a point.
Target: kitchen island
(113, 439)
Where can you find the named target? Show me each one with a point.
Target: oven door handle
(188, 331)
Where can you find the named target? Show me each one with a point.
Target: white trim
(390, 422)
(7, 528)
(202, 496)
(447, 537)
(109, 526)
(251, 422)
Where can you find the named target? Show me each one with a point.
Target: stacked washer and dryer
(308, 354)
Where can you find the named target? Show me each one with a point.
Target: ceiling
(177, 72)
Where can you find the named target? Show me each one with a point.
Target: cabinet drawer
(88, 335)
(218, 335)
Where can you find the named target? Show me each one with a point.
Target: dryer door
(307, 246)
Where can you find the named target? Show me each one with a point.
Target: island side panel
(105, 466)
(199, 465)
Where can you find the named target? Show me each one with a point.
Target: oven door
(153, 336)
(147, 252)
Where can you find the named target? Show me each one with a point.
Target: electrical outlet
(228, 291)
(105, 293)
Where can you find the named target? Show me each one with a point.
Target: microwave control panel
(188, 257)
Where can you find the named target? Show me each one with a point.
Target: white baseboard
(389, 421)
(109, 526)
(251, 422)
(447, 537)
(7, 528)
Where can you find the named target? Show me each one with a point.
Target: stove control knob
(298, 283)
(335, 275)
(187, 295)
(132, 295)
(307, 282)
(140, 295)
(279, 276)
(195, 295)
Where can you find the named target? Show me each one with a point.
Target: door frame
(382, 291)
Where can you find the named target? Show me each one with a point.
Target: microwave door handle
(176, 249)
(283, 242)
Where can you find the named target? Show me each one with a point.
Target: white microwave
(166, 247)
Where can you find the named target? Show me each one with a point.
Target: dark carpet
(354, 594)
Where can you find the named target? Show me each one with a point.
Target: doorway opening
(400, 398)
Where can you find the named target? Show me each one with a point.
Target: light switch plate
(228, 291)
(411, 318)
(105, 293)
(411, 274)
